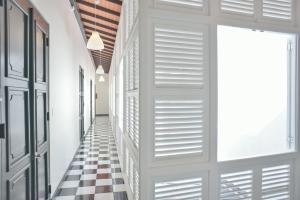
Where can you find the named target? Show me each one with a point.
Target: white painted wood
(153, 39)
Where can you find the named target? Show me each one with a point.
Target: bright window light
(256, 93)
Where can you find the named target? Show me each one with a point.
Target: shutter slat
(181, 49)
(276, 182)
(179, 189)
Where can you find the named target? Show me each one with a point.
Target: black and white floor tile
(95, 172)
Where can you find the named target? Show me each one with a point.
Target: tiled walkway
(95, 172)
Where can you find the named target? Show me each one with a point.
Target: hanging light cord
(95, 13)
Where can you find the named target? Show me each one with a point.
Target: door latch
(2, 129)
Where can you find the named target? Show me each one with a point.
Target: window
(256, 93)
(121, 92)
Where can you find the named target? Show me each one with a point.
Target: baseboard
(98, 115)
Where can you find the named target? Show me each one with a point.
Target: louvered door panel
(236, 186)
(278, 9)
(276, 182)
(181, 189)
(180, 56)
(188, 3)
(131, 69)
(179, 126)
(241, 7)
(136, 185)
(136, 127)
(136, 64)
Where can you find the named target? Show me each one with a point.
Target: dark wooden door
(40, 104)
(81, 102)
(23, 158)
(17, 174)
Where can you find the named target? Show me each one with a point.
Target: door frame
(2, 106)
(81, 103)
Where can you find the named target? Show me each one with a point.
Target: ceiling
(106, 24)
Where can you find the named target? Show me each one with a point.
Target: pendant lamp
(101, 79)
(95, 42)
(100, 69)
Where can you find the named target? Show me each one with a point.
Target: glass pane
(254, 91)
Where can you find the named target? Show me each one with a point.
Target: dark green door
(24, 104)
(40, 104)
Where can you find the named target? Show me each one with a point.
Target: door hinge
(49, 189)
(2, 131)
(48, 116)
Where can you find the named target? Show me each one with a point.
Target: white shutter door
(181, 116)
(179, 126)
(180, 189)
(271, 181)
(276, 182)
(278, 9)
(236, 186)
(179, 57)
(241, 7)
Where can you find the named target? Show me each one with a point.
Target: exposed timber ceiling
(106, 23)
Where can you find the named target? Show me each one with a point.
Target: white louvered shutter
(136, 184)
(277, 9)
(179, 126)
(136, 127)
(242, 7)
(190, 3)
(276, 182)
(179, 189)
(136, 64)
(236, 186)
(180, 57)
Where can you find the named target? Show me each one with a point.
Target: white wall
(102, 95)
(67, 52)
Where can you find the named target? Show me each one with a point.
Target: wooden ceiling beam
(107, 52)
(105, 57)
(100, 31)
(98, 24)
(116, 2)
(102, 56)
(112, 12)
(83, 12)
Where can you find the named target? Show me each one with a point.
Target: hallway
(95, 172)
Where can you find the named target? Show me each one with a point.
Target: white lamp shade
(95, 42)
(101, 79)
(100, 70)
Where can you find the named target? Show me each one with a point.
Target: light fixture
(100, 69)
(95, 42)
(101, 79)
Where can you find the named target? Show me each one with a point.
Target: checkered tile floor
(95, 172)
